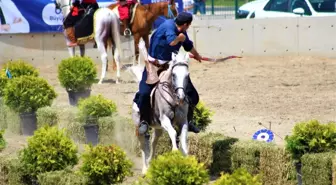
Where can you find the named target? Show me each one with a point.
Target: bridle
(177, 88)
(174, 90)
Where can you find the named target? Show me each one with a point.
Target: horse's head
(179, 67)
(63, 6)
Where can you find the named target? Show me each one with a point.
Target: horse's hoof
(100, 82)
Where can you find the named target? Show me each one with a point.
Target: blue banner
(39, 16)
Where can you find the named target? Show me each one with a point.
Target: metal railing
(219, 9)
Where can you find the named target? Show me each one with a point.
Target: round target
(263, 135)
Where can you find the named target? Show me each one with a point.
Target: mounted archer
(79, 9)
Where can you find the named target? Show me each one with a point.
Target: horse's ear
(173, 56)
(186, 56)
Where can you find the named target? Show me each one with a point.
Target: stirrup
(127, 32)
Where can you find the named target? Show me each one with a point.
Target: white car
(287, 8)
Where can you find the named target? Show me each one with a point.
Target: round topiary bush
(77, 73)
(16, 69)
(49, 149)
(95, 107)
(105, 165)
(26, 94)
(172, 168)
(202, 116)
(239, 176)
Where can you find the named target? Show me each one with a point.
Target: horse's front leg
(156, 135)
(136, 48)
(167, 125)
(183, 137)
(144, 147)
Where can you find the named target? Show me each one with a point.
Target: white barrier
(254, 37)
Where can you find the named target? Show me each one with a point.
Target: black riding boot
(191, 125)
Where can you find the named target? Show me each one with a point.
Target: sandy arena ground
(243, 93)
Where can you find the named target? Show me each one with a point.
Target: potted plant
(76, 75)
(90, 110)
(13, 69)
(25, 95)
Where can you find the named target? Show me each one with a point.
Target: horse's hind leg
(82, 50)
(166, 124)
(155, 138)
(117, 63)
(103, 56)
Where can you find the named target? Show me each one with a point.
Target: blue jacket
(167, 32)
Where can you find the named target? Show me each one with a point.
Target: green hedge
(317, 168)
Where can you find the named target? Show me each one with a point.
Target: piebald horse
(143, 17)
(106, 31)
(169, 106)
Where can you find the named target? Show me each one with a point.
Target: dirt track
(244, 92)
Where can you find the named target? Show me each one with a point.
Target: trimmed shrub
(105, 165)
(77, 73)
(26, 94)
(49, 149)
(202, 116)
(239, 176)
(317, 168)
(61, 177)
(246, 154)
(276, 166)
(10, 170)
(311, 137)
(2, 140)
(212, 149)
(47, 116)
(3, 82)
(95, 107)
(172, 168)
(16, 68)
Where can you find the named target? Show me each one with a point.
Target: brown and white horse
(143, 17)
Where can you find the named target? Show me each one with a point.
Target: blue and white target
(263, 135)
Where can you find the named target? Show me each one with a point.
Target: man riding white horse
(168, 38)
(77, 10)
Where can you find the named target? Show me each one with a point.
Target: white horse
(169, 106)
(106, 29)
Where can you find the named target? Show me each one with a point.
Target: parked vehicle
(287, 8)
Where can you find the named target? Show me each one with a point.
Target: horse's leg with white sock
(103, 57)
(166, 124)
(155, 138)
(71, 51)
(117, 62)
(183, 138)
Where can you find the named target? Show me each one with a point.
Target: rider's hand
(181, 37)
(198, 58)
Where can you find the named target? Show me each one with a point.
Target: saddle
(85, 26)
(114, 7)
